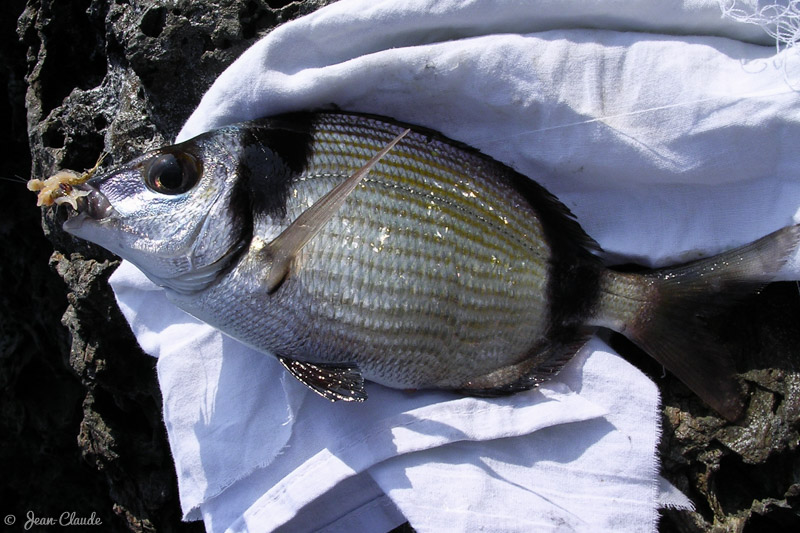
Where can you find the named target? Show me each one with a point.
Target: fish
(357, 248)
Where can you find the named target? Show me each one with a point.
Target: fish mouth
(89, 204)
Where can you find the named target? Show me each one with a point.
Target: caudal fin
(670, 322)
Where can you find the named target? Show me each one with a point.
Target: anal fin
(331, 381)
(542, 365)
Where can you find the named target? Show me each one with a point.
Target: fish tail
(666, 311)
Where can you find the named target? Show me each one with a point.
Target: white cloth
(670, 131)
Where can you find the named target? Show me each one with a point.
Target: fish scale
(437, 223)
(393, 318)
(448, 186)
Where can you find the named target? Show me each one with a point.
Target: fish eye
(172, 173)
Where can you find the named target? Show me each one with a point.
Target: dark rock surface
(80, 420)
(80, 409)
(742, 477)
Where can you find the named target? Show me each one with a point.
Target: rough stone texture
(80, 420)
(80, 409)
(742, 477)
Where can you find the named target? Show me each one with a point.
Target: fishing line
(744, 96)
(781, 22)
(15, 179)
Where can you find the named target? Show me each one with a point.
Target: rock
(741, 476)
(40, 396)
(80, 408)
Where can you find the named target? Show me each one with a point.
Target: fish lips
(93, 205)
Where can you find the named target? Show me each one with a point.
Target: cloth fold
(670, 133)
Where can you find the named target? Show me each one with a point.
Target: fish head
(167, 211)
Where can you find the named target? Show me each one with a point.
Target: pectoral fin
(334, 382)
(285, 247)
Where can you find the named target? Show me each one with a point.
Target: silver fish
(352, 249)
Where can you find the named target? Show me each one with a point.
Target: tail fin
(670, 320)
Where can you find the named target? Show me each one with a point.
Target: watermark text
(65, 519)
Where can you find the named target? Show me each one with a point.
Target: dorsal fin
(285, 247)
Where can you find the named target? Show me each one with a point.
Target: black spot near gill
(266, 180)
(290, 136)
(274, 152)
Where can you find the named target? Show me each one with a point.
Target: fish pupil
(172, 173)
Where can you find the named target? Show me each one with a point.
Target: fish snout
(91, 202)
(87, 203)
